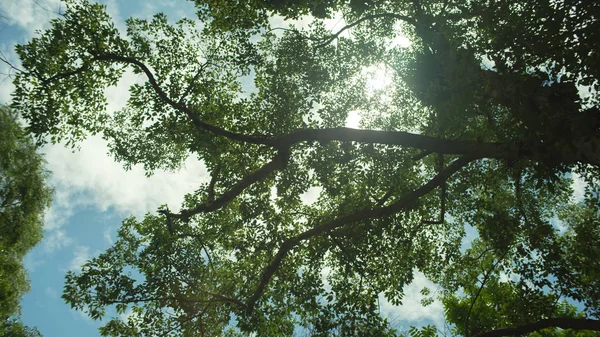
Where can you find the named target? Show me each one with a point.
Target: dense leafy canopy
(491, 110)
(24, 196)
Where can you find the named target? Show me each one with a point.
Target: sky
(94, 194)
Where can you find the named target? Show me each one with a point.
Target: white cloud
(55, 240)
(114, 12)
(60, 211)
(559, 225)
(90, 173)
(117, 96)
(107, 236)
(31, 264)
(130, 316)
(411, 311)
(50, 292)
(175, 9)
(80, 256)
(30, 15)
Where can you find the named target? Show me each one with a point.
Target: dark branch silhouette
(279, 162)
(366, 18)
(405, 202)
(211, 185)
(428, 143)
(178, 106)
(328, 39)
(563, 323)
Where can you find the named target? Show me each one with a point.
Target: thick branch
(442, 146)
(405, 202)
(427, 143)
(563, 323)
(279, 162)
(211, 185)
(443, 187)
(421, 155)
(74, 72)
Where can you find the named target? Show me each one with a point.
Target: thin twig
(363, 19)
(483, 282)
(4, 59)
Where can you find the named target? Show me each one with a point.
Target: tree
(12, 328)
(449, 143)
(24, 197)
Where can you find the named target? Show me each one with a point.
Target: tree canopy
(491, 110)
(24, 197)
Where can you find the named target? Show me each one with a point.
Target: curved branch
(178, 106)
(438, 145)
(285, 142)
(404, 18)
(279, 162)
(443, 187)
(74, 72)
(405, 202)
(563, 323)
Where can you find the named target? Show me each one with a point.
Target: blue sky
(93, 193)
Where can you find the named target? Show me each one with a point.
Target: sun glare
(378, 78)
(353, 120)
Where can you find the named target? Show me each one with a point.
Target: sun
(379, 77)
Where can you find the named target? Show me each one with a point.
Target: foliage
(11, 328)
(24, 197)
(450, 143)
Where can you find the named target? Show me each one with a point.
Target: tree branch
(216, 298)
(563, 323)
(427, 143)
(178, 106)
(365, 18)
(405, 202)
(443, 187)
(191, 85)
(441, 146)
(421, 155)
(4, 59)
(486, 276)
(211, 185)
(79, 70)
(279, 162)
